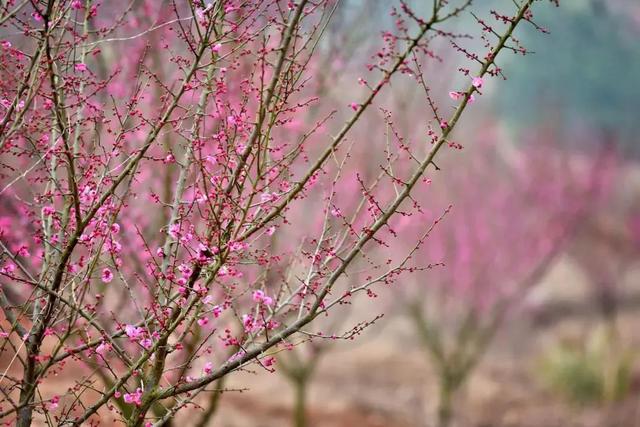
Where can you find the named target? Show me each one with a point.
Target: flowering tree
(495, 247)
(150, 154)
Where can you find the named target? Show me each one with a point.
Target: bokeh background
(557, 144)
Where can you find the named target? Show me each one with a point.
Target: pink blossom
(203, 321)
(23, 251)
(76, 4)
(208, 368)
(237, 246)
(103, 348)
(269, 361)
(212, 159)
(268, 197)
(261, 297)
(477, 82)
(248, 323)
(53, 403)
(258, 296)
(354, 106)
(80, 67)
(174, 230)
(6, 44)
(107, 275)
(135, 397)
(8, 268)
(455, 95)
(48, 210)
(133, 332)
(217, 47)
(472, 99)
(217, 311)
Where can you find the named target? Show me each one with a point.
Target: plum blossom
(103, 348)
(261, 297)
(174, 230)
(269, 361)
(53, 403)
(146, 343)
(80, 67)
(23, 251)
(8, 268)
(249, 323)
(477, 82)
(135, 397)
(268, 197)
(237, 246)
(217, 311)
(107, 275)
(134, 333)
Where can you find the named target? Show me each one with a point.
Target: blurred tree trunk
(300, 404)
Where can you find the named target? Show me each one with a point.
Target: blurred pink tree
(513, 212)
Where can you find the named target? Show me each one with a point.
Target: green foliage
(590, 74)
(592, 373)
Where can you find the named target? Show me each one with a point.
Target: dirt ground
(385, 382)
(384, 379)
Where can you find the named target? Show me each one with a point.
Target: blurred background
(533, 319)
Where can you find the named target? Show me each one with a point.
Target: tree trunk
(300, 408)
(445, 410)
